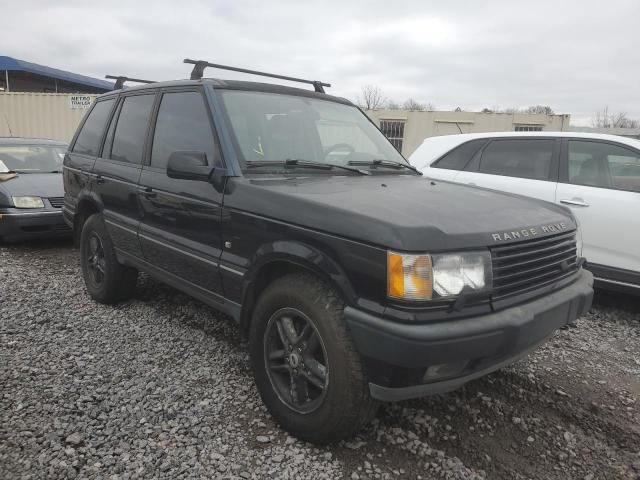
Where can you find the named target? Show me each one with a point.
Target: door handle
(99, 180)
(576, 202)
(149, 193)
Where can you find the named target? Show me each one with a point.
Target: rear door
(600, 182)
(117, 171)
(180, 231)
(526, 166)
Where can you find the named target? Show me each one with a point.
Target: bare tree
(412, 104)
(533, 109)
(604, 119)
(392, 105)
(371, 97)
(540, 109)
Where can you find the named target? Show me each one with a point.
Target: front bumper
(18, 224)
(409, 360)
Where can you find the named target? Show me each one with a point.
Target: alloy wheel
(296, 360)
(96, 259)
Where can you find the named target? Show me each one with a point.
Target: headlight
(28, 202)
(425, 277)
(579, 243)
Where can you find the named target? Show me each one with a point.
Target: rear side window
(183, 124)
(131, 130)
(518, 158)
(458, 158)
(88, 141)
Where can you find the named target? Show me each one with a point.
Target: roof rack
(200, 65)
(120, 79)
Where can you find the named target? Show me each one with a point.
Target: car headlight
(427, 277)
(28, 202)
(579, 243)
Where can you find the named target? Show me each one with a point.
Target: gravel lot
(160, 387)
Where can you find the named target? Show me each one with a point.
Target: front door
(601, 185)
(180, 231)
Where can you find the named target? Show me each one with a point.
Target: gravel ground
(160, 387)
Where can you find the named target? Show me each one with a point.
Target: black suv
(355, 279)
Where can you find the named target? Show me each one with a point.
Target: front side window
(604, 165)
(278, 127)
(88, 141)
(131, 129)
(31, 158)
(530, 158)
(183, 124)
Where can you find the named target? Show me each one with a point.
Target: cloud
(576, 56)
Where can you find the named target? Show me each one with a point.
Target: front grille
(56, 202)
(527, 266)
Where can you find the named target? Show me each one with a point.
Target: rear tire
(107, 280)
(304, 308)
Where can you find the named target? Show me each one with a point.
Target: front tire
(107, 280)
(306, 368)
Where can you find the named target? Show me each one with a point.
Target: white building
(407, 129)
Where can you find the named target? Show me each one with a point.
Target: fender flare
(91, 197)
(298, 255)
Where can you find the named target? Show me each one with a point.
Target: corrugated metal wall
(41, 115)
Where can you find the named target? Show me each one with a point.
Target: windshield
(31, 158)
(276, 127)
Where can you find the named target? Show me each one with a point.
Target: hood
(403, 212)
(37, 184)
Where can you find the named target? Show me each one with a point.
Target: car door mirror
(189, 165)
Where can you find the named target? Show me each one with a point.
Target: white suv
(597, 176)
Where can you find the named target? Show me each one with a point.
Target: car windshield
(31, 158)
(271, 127)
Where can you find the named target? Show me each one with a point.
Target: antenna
(120, 79)
(200, 65)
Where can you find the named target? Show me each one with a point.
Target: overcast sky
(576, 56)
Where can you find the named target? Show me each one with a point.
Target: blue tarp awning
(13, 64)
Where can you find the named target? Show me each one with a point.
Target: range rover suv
(355, 280)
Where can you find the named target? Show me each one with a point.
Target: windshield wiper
(384, 163)
(296, 162)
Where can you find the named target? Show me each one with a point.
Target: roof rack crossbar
(199, 66)
(120, 79)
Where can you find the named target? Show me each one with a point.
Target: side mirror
(189, 165)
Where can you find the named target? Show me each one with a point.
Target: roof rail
(120, 79)
(200, 65)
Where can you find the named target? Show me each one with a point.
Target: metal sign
(79, 101)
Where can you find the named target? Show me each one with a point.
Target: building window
(528, 128)
(394, 131)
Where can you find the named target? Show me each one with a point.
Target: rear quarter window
(458, 158)
(90, 136)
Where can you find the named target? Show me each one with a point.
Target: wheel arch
(284, 258)
(88, 204)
